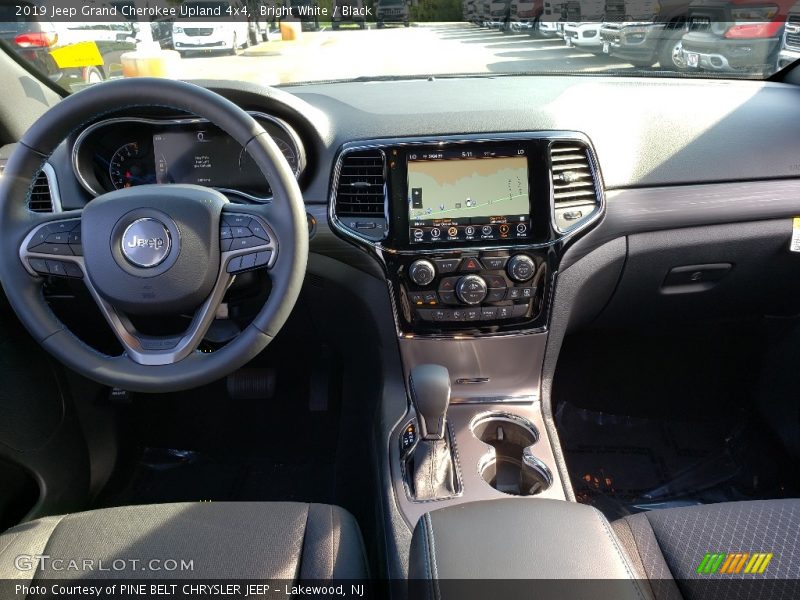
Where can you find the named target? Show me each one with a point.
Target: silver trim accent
(126, 333)
(294, 138)
(382, 144)
(599, 194)
(52, 183)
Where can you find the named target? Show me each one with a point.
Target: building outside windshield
(279, 42)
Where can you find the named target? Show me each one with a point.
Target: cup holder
(510, 466)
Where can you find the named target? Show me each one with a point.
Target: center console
(469, 231)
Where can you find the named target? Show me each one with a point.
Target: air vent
(41, 199)
(574, 190)
(361, 188)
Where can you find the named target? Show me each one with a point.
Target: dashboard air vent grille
(361, 188)
(41, 199)
(574, 188)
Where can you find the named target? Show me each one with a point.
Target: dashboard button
(448, 297)
(495, 281)
(514, 293)
(527, 292)
(430, 298)
(416, 298)
(521, 267)
(494, 263)
(447, 265)
(448, 284)
(440, 315)
(496, 295)
(457, 315)
(472, 314)
(421, 272)
(471, 265)
(520, 310)
(426, 314)
(504, 312)
(489, 313)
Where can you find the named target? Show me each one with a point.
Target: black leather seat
(242, 540)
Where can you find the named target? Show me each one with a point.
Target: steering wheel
(151, 249)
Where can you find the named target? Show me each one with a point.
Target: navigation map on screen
(467, 197)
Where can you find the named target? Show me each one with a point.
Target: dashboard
(127, 151)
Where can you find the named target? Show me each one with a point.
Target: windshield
(279, 42)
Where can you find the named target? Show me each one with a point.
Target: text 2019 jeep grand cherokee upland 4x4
(444, 312)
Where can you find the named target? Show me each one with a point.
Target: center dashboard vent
(575, 191)
(360, 195)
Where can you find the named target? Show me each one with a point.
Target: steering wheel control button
(56, 268)
(257, 229)
(246, 242)
(233, 220)
(146, 243)
(521, 267)
(225, 233)
(249, 261)
(38, 265)
(262, 258)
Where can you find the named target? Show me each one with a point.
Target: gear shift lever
(430, 393)
(430, 464)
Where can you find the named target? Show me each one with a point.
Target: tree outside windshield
(279, 42)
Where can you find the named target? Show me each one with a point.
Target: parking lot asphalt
(431, 49)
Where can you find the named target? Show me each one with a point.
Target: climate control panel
(493, 290)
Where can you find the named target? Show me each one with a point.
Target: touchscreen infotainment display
(206, 157)
(468, 195)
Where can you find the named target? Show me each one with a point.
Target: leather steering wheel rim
(284, 215)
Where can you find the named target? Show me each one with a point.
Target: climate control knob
(421, 272)
(471, 289)
(521, 267)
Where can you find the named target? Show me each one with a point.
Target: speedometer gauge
(128, 167)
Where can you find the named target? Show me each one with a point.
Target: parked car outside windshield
(284, 42)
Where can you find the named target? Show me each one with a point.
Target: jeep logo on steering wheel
(146, 243)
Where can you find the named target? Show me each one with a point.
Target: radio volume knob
(521, 267)
(421, 272)
(471, 289)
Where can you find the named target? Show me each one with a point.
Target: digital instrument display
(463, 195)
(206, 157)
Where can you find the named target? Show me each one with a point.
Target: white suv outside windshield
(278, 42)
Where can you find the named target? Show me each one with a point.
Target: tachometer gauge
(128, 167)
(288, 152)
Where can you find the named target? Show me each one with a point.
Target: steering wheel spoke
(155, 350)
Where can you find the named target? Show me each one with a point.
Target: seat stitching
(426, 555)
(621, 556)
(333, 543)
(435, 567)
